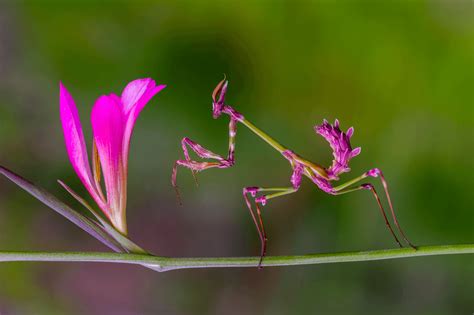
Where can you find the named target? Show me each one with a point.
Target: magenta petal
(134, 98)
(74, 138)
(138, 92)
(107, 125)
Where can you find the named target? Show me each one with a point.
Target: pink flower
(112, 119)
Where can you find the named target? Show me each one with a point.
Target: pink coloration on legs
(257, 220)
(261, 200)
(199, 166)
(382, 210)
(375, 172)
(367, 186)
(199, 150)
(296, 178)
(252, 190)
(203, 153)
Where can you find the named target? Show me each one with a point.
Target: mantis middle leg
(275, 192)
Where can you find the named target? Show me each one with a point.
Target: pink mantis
(319, 175)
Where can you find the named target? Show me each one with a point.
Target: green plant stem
(167, 263)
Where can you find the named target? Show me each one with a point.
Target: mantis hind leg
(345, 188)
(382, 210)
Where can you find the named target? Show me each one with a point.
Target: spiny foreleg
(196, 166)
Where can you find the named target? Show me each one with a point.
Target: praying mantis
(322, 177)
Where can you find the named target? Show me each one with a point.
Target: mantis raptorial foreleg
(196, 166)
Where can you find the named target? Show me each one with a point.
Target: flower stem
(168, 263)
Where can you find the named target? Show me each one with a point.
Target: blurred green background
(400, 72)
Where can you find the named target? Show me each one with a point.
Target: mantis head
(218, 98)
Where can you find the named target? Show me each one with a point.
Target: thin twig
(168, 263)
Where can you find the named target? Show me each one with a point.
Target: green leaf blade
(52, 202)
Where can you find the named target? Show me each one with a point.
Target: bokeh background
(400, 72)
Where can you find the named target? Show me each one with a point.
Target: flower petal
(107, 125)
(138, 92)
(134, 98)
(75, 143)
